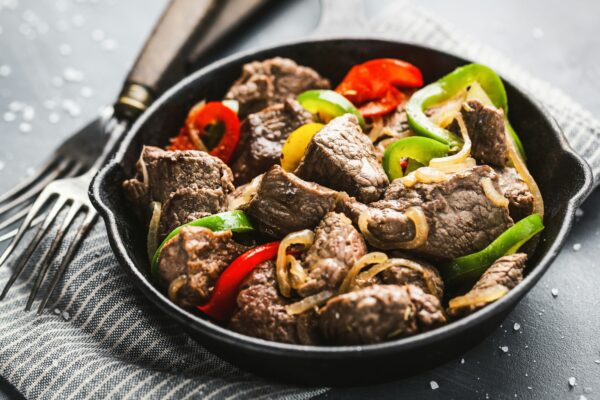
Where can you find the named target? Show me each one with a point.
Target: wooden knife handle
(164, 54)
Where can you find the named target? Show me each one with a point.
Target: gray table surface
(42, 41)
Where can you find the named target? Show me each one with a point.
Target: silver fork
(70, 195)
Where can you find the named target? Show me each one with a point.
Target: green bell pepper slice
(235, 221)
(446, 88)
(469, 268)
(417, 148)
(328, 104)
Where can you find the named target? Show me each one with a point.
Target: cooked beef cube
(190, 184)
(261, 309)
(420, 274)
(461, 219)
(486, 128)
(190, 263)
(379, 313)
(517, 192)
(342, 157)
(271, 81)
(337, 246)
(397, 121)
(263, 135)
(285, 203)
(507, 272)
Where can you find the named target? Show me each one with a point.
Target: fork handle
(162, 57)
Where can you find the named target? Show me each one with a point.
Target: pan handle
(162, 57)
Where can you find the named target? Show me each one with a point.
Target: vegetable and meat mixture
(299, 212)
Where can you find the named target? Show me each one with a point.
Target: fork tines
(52, 198)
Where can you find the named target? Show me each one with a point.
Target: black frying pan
(549, 156)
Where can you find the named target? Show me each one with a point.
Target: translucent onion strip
(364, 261)
(144, 169)
(478, 297)
(418, 218)
(152, 240)
(175, 285)
(308, 303)
(297, 274)
(492, 194)
(459, 157)
(366, 276)
(247, 194)
(451, 169)
(519, 164)
(306, 238)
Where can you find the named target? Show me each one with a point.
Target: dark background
(559, 41)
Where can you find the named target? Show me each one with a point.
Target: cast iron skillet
(549, 156)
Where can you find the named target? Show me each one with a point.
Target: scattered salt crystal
(537, 33)
(597, 362)
(582, 397)
(554, 292)
(1, 165)
(5, 70)
(516, 326)
(71, 107)
(109, 44)
(54, 117)
(572, 382)
(55, 363)
(462, 360)
(66, 316)
(434, 385)
(25, 127)
(579, 213)
(57, 81)
(64, 49)
(72, 75)
(28, 113)
(9, 116)
(30, 171)
(577, 247)
(337, 315)
(97, 35)
(56, 311)
(504, 349)
(529, 387)
(86, 92)
(78, 20)
(15, 106)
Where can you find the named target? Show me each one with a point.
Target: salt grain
(434, 385)
(5, 70)
(64, 49)
(577, 247)
(537, 33)
(66, 316)
(72, 75)
(28, 113)
(78, 20)
(516, 326)
(54, 118)
(15, 106)
(56, 311)
(462, 360)
(572, 382)
(109, 44)
(86, 92)
(597, 362)
(9, 116)
(97, 35)
(71, 107)
(25, 127)
(504, 349)
(2, 165)
(582, 397)
(579, 213)
(57, 81)
(554, 292)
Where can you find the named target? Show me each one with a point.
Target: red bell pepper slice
(377, 81)
(199, 119)
(223, 299)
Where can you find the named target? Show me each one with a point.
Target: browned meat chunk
(261, 309)
(341, 157)
(337, 246)
(263, 135)
(517, 192)
(417, 273)
(285, 203)
(379, 313)
(460, 218)
(503, 275)
(264, 83)
(190, 263)
(189, 184)
(485, 125)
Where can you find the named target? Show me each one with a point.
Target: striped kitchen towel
(100, 338)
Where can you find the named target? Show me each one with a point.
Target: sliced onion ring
(308, 303)
(296, 273)
(152, 240)
(451, 169)
(306, 238)
(519, 164)
(478, 297)
(459, 157)
(175, 285)
(247, 194)
(143, 169)
(366, 260)
(418, 218)
(492, 194)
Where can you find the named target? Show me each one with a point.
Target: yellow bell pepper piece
(295, 145)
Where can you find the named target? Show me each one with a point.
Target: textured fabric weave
(101, 339)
